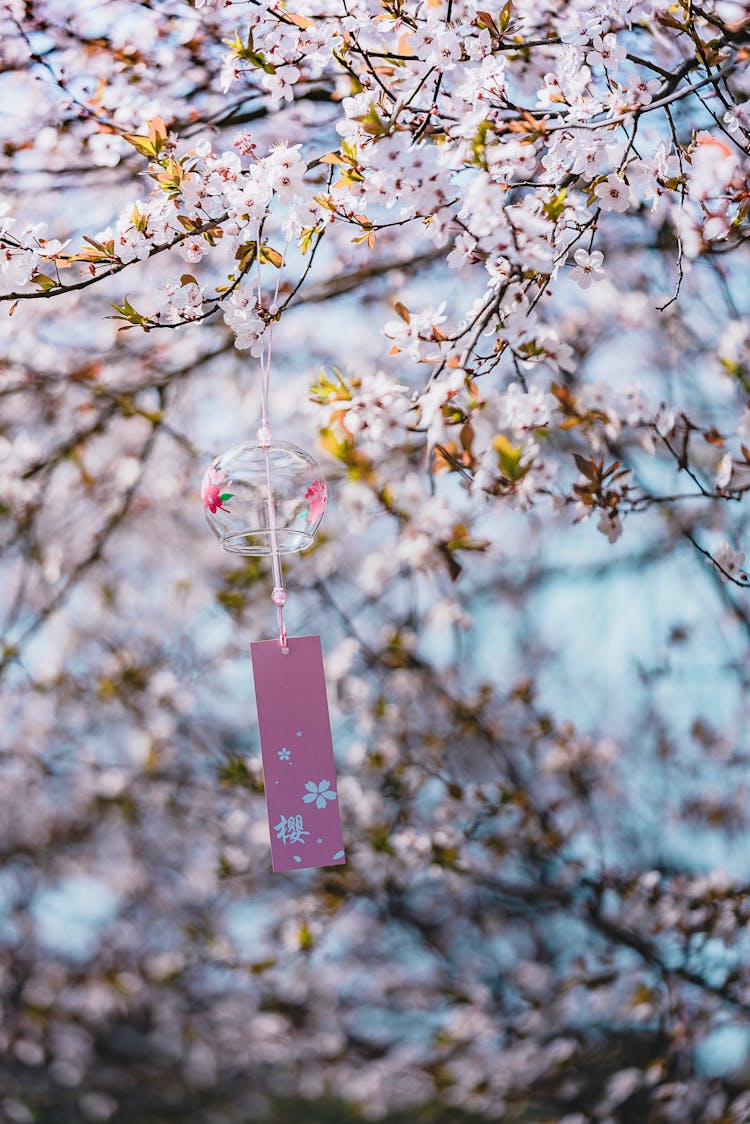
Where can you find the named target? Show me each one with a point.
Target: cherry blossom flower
(415, 332)
(245, 144)
(607, 51)
(724, 471)
(520, 409)
(375, 413)
(17, 264)
(280, 84)
(613, 194)
(640, 92)
(194, 196)
(285, 169)
(712, 167)
(665, 420)
(446, 51)
(251, 194)
(131, 244)
(242, 316)
(737, 119)
(462, 253)
(184, 302)
(230, 70)
(192, 250)
(587, 267)
(728, 562)
(106, 149)
(718, 223)
(482, 83)
(609, 524)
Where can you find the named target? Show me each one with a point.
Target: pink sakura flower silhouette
(211, 493)
(316, 496)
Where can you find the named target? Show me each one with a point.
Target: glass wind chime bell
(267, 497)
(263, 495)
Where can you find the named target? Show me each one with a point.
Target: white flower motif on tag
(319, 793)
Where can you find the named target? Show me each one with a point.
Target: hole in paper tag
(301, 794)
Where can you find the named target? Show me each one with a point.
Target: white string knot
(264, 436)
(278, 596)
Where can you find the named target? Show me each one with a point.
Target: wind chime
(267, 497)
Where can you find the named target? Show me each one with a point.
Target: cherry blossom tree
(501, 256)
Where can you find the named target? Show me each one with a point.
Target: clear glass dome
(238, 486)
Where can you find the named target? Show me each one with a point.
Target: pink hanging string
(278, 595)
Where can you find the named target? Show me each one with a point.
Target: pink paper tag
(295, 742)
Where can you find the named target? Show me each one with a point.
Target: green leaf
(271, 256)
(132, 317)
(508, 457)
(555, 206)
(139, 221)
(245, 255)
(226, 496)
(586, 467)
(141, 144)
(372, 123)
(247, 52)
(484, 19)
(157, 133)
(234, 771)
(261, 966)
(44, 282)
(326, 390)
(306, 238)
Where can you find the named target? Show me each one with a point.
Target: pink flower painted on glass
(211, 494)
(316, 496)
